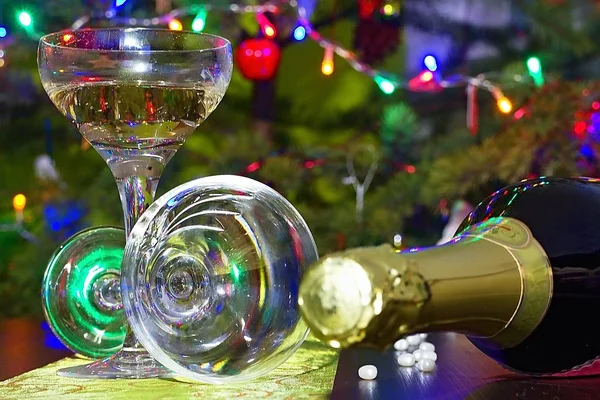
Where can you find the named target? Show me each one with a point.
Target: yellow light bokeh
(175, 25)
(19, 202)
(504, 105)
(427, 76)
(327, 67)
(269, 31)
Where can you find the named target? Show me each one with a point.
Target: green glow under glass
(81, 294)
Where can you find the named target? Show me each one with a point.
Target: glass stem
(137, 193)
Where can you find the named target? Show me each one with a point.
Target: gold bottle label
(534, 268)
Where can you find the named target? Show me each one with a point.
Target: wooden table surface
(462, 372)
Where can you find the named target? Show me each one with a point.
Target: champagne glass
(81, 293)
(135, 94)
(210, 279)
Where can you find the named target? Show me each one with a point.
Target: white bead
(368, 372)
(401, 345)
(406, 360)
(413, 340)
(423, 336)
(426, 346)
(428, 355)
(425, 365)
(418, 354)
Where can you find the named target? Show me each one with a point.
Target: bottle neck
(493, 281)
(475, 286)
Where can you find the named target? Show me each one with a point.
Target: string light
(534, 67)
(472, 110)
(266, 26)
(390, 8)
(310, 32)
(424, 82)
(19, 202)
(428, 83)
(327, 65)
(269, 31)
(426, 76)
(119, 3)
(25, 19)
(504, 105)
(3, 32)
(175, 25)
(430, 63)
(253, 167)
(200, 21)
(299, 33)
(385, 85)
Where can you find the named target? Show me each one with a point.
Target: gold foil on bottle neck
(343, 302)
(536, 274)
(494, 281)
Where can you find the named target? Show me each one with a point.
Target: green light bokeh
(70, 304)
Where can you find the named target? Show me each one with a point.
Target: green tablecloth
(308, 374)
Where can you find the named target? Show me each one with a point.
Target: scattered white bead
(428, 355)
(418, 354)
(406, 360)
(426, 346)
(413, 340)
(401, 345)
(368, 372)
(425, 365)
(411, 351)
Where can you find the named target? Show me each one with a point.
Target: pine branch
(541, 136)
(554, 25)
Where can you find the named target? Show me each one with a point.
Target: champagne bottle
(521, 280)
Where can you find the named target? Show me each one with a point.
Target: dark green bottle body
(563, 215)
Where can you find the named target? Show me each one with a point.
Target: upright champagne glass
(135, 94)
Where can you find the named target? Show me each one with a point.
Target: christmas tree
(372, 117)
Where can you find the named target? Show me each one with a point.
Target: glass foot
(128, 364)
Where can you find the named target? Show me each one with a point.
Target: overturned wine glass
(209, 280)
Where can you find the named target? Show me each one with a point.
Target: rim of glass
(44, 40)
